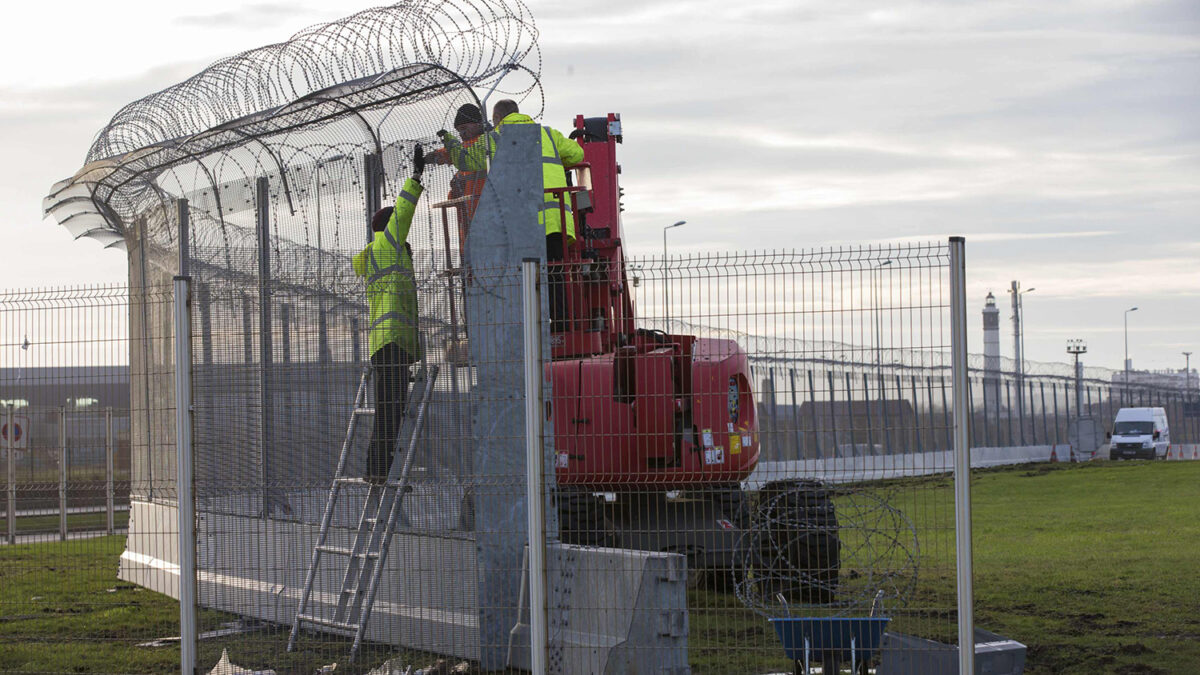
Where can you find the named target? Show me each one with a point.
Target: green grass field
(1093, 566)
(76, 522)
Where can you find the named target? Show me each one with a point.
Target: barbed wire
(373, 83)
(471, 39)
(832, 551)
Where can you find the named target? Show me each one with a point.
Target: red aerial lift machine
(653, 431)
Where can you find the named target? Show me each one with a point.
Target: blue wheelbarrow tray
(854, 639)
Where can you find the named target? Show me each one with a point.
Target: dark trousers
(391, 365)
(557, 281)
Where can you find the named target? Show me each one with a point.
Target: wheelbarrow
(830, 641)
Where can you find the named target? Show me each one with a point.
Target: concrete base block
(610, 611)
(908, 655)
(255, 567)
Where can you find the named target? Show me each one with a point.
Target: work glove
(418, 162)
(449, 141)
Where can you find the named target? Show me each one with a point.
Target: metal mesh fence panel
(76, 448)
(735, 445)
(782, 414)
(824, 473)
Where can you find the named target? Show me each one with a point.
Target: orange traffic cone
(1053, 453)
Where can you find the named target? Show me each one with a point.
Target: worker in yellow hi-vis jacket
(386, 265)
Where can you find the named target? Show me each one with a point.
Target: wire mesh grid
(68, 456)
(885, 509)
(791, 473)
(731, 439)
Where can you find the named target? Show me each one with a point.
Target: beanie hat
(381, 218)
(468, 112)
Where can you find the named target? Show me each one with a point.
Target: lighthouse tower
(991, 336)
(992, 383)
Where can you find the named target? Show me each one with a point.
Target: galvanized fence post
(62, 473)
(534, 473)
(184, 477)
(962, 457)
(849, 413)
(946, 421)
(912, 381)
(1008, 402)
(1045, 429)
(933, 435)
(11, 508)
(1032, 417)
(109, 525)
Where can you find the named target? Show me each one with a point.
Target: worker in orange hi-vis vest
(468, 180)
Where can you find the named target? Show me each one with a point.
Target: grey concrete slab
(255, 567)
(611, 611)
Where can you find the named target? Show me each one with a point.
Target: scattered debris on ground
(224, 667)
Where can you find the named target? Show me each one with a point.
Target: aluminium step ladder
(376, 524)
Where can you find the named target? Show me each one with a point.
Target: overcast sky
(1062, 139)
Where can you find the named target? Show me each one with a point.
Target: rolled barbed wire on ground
(812, 549)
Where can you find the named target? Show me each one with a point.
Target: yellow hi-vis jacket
(558, 153)
(391, 285)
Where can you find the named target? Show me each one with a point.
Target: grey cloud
(97, 99)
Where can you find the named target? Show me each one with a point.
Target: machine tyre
(581, 519)
(799, 543)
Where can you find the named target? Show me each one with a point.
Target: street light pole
(666, 278)
(1187, 375)
(1018, 307)
(1125, 393)
(1021, 307)
(1077, 347)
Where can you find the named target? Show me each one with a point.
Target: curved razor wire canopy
(278, 157)
(363, 84)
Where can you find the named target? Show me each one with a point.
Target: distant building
(1173, 379)
(46, 398)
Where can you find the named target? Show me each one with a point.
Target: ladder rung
(350, 480)
(364, 411)
(353, 480)
(336, 625)
(346, 552)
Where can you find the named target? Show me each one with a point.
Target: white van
(1140, 433)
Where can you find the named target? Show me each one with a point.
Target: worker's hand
(448, 139)
(418, 161)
